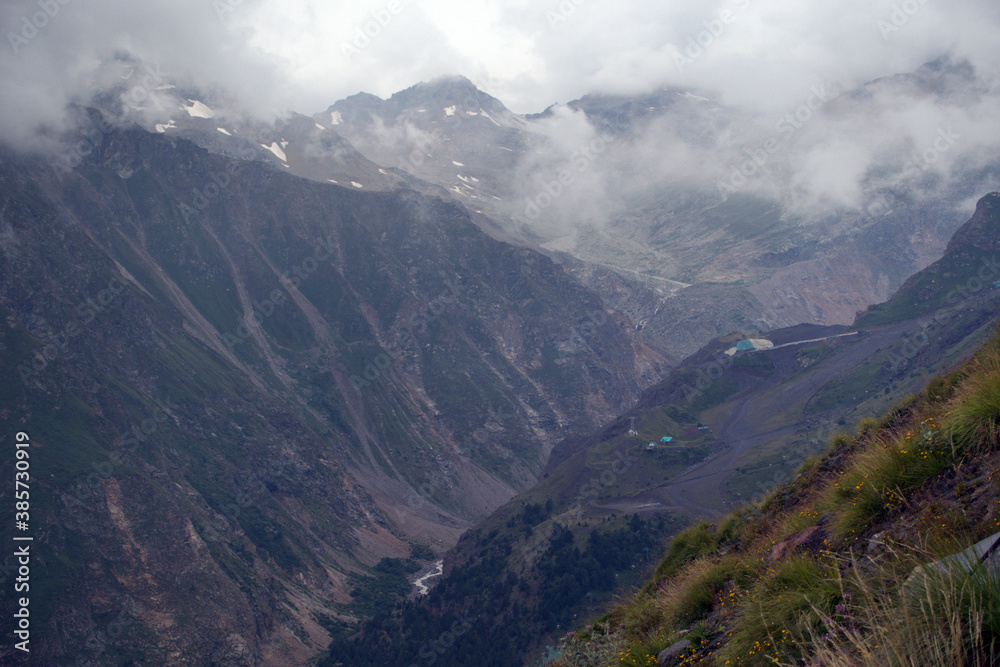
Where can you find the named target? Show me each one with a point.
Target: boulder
(670, 656)
(783, 548)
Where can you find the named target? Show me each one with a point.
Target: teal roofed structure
(750, 345)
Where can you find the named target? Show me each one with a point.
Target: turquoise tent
(666, 439)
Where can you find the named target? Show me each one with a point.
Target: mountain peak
(448, 90)
(982, 231)
(969, 260)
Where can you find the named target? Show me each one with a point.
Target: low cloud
(756, 61)
(930, 133)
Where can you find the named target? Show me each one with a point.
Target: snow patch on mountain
(695, 97)
(278, 153)
(198, 110)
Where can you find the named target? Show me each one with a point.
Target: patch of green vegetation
(388, 583)
(780, 581)
(696, 600)
(785, 605)
(509, 606)
(756, 363)
(685, 547)
(768, 470)
(955, 280)
(814, 354)
(420, 551)
(714, 394)
(849, 388)
(268, 536)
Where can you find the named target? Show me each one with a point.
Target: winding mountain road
(759, 417)
(754, 419)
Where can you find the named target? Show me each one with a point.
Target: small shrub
(941, 388)
(685, 547)
(887, 466)
(947, 617)
(841, 439)
(788, 604)
(692, 597)
(974, 421)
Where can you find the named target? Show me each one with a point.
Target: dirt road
(752, 420)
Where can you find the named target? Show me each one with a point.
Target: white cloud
(265, 55)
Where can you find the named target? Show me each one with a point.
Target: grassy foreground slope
(821, 572)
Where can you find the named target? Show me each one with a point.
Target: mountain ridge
(740, 426)
(270, 477)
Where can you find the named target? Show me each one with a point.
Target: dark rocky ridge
(261, 474)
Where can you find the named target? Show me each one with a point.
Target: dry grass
(947, 618)
(820, 606)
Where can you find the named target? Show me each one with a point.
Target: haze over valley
(339, 329)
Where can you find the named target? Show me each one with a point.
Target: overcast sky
(306, 54)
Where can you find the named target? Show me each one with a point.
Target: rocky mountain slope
(738, 426)
(618, 187)
(243, 388)
(882, 551)
(268, 376)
